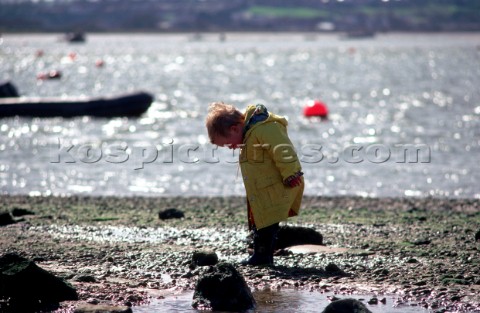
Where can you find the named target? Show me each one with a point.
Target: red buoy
(315, 108)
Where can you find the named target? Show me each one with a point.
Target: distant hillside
(239, 15)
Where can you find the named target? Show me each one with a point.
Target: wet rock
(346, 306)
(21, 212)
(170, 214)
(93, 308)
(295, 235)
(85, 279)
(29, 287)
(332, 268)
(222, 288)
(203, 258)
(373, 301)
(6, 219)
(421, 242)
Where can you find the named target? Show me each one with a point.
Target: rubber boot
(263, 246)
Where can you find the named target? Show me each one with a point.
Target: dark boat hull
(128, 105)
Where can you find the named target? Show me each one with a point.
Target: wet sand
(423, 250)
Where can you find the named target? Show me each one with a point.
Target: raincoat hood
(256, 115)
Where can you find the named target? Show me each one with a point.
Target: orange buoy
(315, 108)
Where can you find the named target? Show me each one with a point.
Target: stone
(101, 308)
(85, 279)
(170, 213)
(295, 235)
(333, 269)
(6, 219)
(29, 287)
(346, 306)
(21, 212)
(222, 288)
(204, 258)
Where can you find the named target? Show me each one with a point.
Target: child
(270, 168)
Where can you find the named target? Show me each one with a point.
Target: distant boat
(75, 37)
(134, 104)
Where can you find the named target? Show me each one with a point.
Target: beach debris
(223, 288)
(27, 287)
(347, 305)
(101, 308)
(170, 213)
(204, 258)
(296, 235)
(6, 219)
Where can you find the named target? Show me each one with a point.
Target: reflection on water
(284, 301)
(383, 93)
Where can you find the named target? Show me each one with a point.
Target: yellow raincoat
(267, 158)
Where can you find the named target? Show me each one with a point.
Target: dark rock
(203, 258)
(333, 269)
(421, 242)
(21, 212)
(346, 306)
(85, 279)
(294, 235)
(170, 213)
(29, 287)
(6, 219)
(222, 288)
(477, 236)
(373, 301)
(92, 308)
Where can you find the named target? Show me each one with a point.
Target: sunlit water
(383, 93)
(282, 302)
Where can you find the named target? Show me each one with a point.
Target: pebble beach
(116, 250)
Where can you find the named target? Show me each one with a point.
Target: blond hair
(220, 118)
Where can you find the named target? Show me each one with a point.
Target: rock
(333, 269)
(170, 213)
(222, 288)
(346, 306)
(29, 287)
(294, 235)
(85, 279)
(6, 219)
(373, 301)
(21, 212)
(203, 258)
(101, 308)
(477, 236)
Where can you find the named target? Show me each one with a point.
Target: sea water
(284, 301)
(404, 112)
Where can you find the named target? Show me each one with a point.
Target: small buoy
(99, 63)
(315, 108)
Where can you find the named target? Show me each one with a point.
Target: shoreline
(421, 249)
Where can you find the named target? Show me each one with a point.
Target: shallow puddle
(284, 301)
